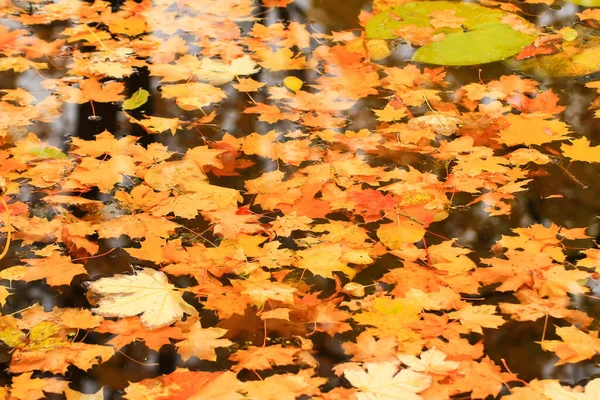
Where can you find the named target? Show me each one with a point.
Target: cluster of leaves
(278, 263)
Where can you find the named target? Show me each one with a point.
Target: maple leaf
(248, 85)
(449, 258)
(28, 388)
(261, 358)
(389, 113)
(580, 150)
(323, 260)
(476, 317)
(284, 387)
(92, 90)
(327, 192)
(103, 174)
(555, 391)
(281, 60)
(539, 130)
(217, 73)
(533, 307)
(260, 292)
(204, 156)
(130, 329)
(185, 384)
(75, 318)
(184, 175)
(19, 64)
(156, 125)
(56, 270)
(558, 281)
(543, 103)
(201, 343)
(390, 317)
(9, 39)
(482, 378)
(147, 292)
(445, 19)
(431, 361)
(367, 348)
(383, 381)
(58, 359)
(193, 95)
(151, 249)
(397, 235)
(136, 226)
(575, 346)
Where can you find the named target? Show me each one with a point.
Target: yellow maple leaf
(248, 85)
(532, 130)
(580, 150)
(323, 260)
(281, 60)
(476, 317)
(193, 95)
(389, 113)
(575, 346)
(157, 125)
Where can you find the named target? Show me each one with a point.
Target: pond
(282, 199)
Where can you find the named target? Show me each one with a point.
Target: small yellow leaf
(292, 83)
(378, 49)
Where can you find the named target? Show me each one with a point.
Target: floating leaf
(586, 3)
(577, 58)
(378, 49)
(148, 293)
(218, 73)
(49, 152)
(292, 83)
(138, 99)
(459, 33)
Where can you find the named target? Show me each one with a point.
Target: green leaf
(138, 99)
(49, 152)
(485, 39)
(586, 3)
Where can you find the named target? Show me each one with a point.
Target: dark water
(514, 342)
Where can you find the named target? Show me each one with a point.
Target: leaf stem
(96, 37)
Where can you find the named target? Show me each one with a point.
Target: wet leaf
(139, 98)
(49, 152)
(586, 3)
(292, 83)
(382, 380)
(147, 292)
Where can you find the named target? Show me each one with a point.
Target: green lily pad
(49, 152)
(481, 37)
(138, 99)
(586, 3)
